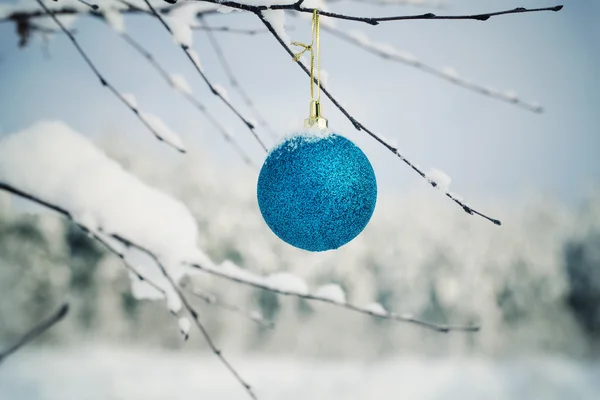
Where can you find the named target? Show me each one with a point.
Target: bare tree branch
(188, 96)
(253, 316)
(228, 29)
(68, 10)
(388, 53)
(297, 6)
(359, 126)
(363, 310)
(294, 7)
(211, 86)
(103, 81)
(255, 282)
(234, 82)
(194, 314)
(36, 331)
(90, 5)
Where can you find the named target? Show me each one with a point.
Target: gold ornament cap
(315, 120)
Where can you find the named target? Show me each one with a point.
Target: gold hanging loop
(315, 120)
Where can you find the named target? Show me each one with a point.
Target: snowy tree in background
(155, 235)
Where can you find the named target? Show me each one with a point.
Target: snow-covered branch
(290, 285)
(36, 331)
(181, 32)
(152, 122)
(180, 84)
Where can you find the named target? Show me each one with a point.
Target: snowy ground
(97, 373)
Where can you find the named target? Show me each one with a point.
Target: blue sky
(492, 150)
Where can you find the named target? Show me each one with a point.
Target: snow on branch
(183, 24)
(180, 84)
(359, 126)
(36, 331)
(27, 10)
(158, 128)
(229, 29)
(291, 285)
(388, 52)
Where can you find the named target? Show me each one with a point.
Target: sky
(492, 150)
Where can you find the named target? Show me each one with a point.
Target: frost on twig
(36, 331)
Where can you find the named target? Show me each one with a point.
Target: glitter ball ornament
(317, 191)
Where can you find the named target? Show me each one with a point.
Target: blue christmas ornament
(317, 191)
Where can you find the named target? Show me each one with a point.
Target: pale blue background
(492, 150)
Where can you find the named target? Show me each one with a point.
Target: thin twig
(194, 314)
(293, 7)
(213, 89)
(297, 6)
(253, 316)
(228, 29)
(378, 138)
(36, 331)
(363, 310)
(233, 81)
(410, 61)
(90, 5)
(103, 81)
(70, 10)
(188, 96)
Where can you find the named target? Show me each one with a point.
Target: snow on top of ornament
(316, 190)
(307, 134)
